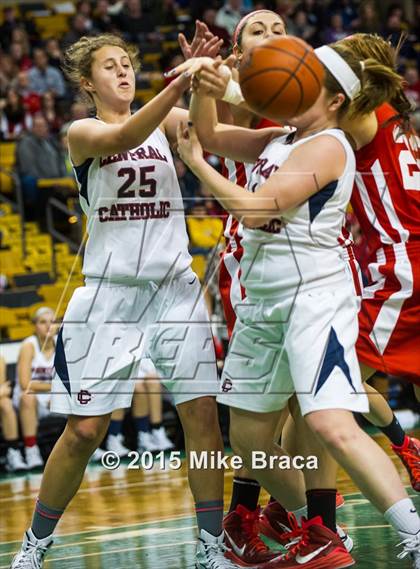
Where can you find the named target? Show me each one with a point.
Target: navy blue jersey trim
(82, 177)
(318, 200)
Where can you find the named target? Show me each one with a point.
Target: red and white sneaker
(246, 548)
(409, 454)
(276, 523)
(318, 548)
(339, 501)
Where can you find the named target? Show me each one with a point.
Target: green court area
(169, 544)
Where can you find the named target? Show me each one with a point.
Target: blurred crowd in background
(37, 105)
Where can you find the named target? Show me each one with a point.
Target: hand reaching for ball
(189, 147)
(209, 76)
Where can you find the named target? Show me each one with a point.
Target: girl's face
(113, 80)
(325, 107)
(48, 99)
(257, 29)
(44, 326)
(12, 98)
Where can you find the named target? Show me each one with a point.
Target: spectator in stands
(146, 410)
(84, 7)
(79, 26)
(229, 15)
(368, 21)
(164, 12)
(44, 77)
(102, 20)
(20, 36)
(10, 23)
(50, 112)
(209, 18)
(412, 88)
(8, 70)
(20, 59)
(37, 156)
(31, 100)
(9, 424)
(54, 53)
(35, 370)
(394, 26)
(134, 23)
(335, 31)
(302, 28)
(347, 9)
(14, 118)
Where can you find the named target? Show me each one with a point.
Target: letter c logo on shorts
(83, 397)
(227, 385)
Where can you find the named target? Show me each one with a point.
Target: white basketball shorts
(303, 344)
(108, 329)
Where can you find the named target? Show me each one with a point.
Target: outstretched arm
(324, 160)
(89, 138)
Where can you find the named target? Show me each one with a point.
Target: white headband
(340, 69)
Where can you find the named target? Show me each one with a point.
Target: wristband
(233, 93)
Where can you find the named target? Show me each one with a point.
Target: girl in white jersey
(35, 370)
(296, 330)
(141, 297)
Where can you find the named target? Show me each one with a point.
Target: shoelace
(294, 534)
(35, 553)
(411, 545)
(413, 462)
(300, 540)
(218, 559)
(249, 527)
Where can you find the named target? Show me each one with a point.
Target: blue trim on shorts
(318, 200)
(60, 362)
(334, 356)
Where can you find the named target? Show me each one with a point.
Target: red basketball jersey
(230, 287)
(386, 196)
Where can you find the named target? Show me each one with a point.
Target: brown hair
(240, 27)
(380, 81)
(79, 57)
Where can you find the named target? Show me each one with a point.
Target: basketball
(281, 77)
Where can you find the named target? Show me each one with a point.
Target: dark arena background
(142, 516)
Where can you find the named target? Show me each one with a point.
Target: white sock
(299, 513)
(404, 518)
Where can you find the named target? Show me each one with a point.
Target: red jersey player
(386, 201)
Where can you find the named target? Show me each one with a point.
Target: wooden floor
(136, 519)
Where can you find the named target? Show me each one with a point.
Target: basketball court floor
(145, 519)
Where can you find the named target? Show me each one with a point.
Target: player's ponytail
(380, 80)
(380, 84)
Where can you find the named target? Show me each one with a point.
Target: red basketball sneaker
(318, 548)
(409, 453)
(276, 523)
(246, 548)
(339, 500)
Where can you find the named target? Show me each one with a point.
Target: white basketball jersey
(136, 223)
(301, 247)
(42, 368)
